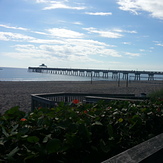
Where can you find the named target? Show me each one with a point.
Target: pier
(114, 74)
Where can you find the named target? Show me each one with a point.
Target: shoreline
(18, 93)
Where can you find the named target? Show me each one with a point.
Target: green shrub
(77, 132)
(156, 94)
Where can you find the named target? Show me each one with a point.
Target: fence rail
(150, 151)
(49, 100)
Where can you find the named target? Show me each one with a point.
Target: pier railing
(114, 74)
(51, 99)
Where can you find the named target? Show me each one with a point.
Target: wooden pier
(114, 74)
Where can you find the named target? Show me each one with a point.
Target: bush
(156, 94)
(76, 132)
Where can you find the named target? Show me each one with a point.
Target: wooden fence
(49, 100)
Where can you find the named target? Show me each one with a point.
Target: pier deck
(115, 74)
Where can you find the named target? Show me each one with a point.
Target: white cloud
(59, 5)
(108, 34)
(42, 1)
(126, 43)
(84, 42)
(132, 54)
(11, 27)
(77, 23)
(46, 41)
(41, 33)
(154, 7)
(80, 48)
(64, 50)
(99, 13)
(159, 44)
(123, 31)
(142, 50)
(104, 33)
(64, 33)
(9, 36)
(29, 51)
(113, 33)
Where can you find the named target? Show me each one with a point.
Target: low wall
(150, 151)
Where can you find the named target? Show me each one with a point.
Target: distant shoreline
(18, 93)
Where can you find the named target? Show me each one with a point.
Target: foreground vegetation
(156, 94)
(76, 132)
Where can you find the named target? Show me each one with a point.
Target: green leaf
(15, 127)
(110, 130)
(24, 136)
(14, 113)
(2, 142)
(13, 152)
(105, 147)
(97, 123)
(53, 146)
(12, 110)
(4, 132)
(24, 130)
(47, 137)
(120, 120)
(33, 139)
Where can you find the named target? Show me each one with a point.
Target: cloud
(29, 51)
(59, 43)
(132, 54)
(64, 50)
(59, 5)
(40, 33)
(159, 44)
(99, 13)
(142, 50)
(123, 31)
(77, 23)
(154, 7)
(114, 33)
(126, 43)
(102, 33)
(80, 48)
(64, 33)
(11, 27)
(9, 36)
(46, 41)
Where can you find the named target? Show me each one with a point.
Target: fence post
(91, 77)
(127, 81)
(66, 99)
(119, 79)
(32, 104)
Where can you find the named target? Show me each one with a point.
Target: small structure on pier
(42, 66)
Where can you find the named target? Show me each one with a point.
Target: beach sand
(18, 93)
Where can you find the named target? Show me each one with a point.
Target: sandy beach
(17, 93)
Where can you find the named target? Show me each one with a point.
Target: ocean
(22, 74)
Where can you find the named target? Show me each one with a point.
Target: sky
(97, 34)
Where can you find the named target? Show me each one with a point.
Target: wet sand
(17, 93)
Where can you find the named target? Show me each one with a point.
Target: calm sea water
(22, 74)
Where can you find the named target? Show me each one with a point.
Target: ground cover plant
(156, 94)
(77, 132)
